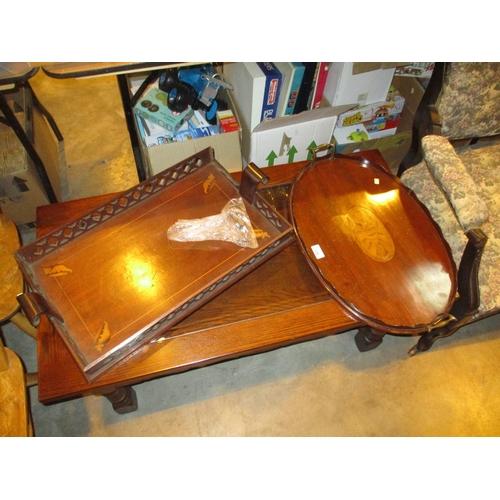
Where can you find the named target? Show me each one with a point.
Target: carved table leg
(367, 338)
(123, 399)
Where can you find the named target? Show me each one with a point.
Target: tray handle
(33, 304)
(329, 148)
(252, 176)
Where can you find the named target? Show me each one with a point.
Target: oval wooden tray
(372, 244)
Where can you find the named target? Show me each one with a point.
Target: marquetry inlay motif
(370, 234)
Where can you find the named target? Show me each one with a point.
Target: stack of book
(265, 90)
(280, 108)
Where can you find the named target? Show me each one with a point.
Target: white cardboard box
(249, 95)
(344, 85)
(290, 138)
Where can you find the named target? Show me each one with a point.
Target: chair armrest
(468, 301)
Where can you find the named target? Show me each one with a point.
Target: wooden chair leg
(31, 379)
(21, 321)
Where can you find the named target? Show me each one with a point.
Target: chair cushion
(453, 177)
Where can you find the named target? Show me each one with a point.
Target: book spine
(320, 84)
(296, 82)
(271, 91)
(313, 87)
(306, 87)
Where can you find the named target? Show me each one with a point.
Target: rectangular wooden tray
(111, 280)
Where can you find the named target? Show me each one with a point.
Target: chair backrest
(469, 101)
(462, 101)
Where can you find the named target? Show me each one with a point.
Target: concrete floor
(319, 388)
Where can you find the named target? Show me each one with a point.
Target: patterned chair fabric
(482, 165)
(469, 102)
(454, 179)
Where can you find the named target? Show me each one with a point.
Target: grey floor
(319, 388)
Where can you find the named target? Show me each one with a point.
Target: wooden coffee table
(279, 304)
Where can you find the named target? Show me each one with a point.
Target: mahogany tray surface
(372, 244)
(113, 281)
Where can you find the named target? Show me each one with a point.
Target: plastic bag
(232, 224)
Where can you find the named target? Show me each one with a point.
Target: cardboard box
(290, 138)
(52, 153)
(344, 86)
(416, 69)
(227, 121)
(411, 89)
(227, 148)
(21, 190)
(159, 154)
(366, 131)
(255, 90)
(371, 111)
(393, 147)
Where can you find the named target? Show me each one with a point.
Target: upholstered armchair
(459, 182)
